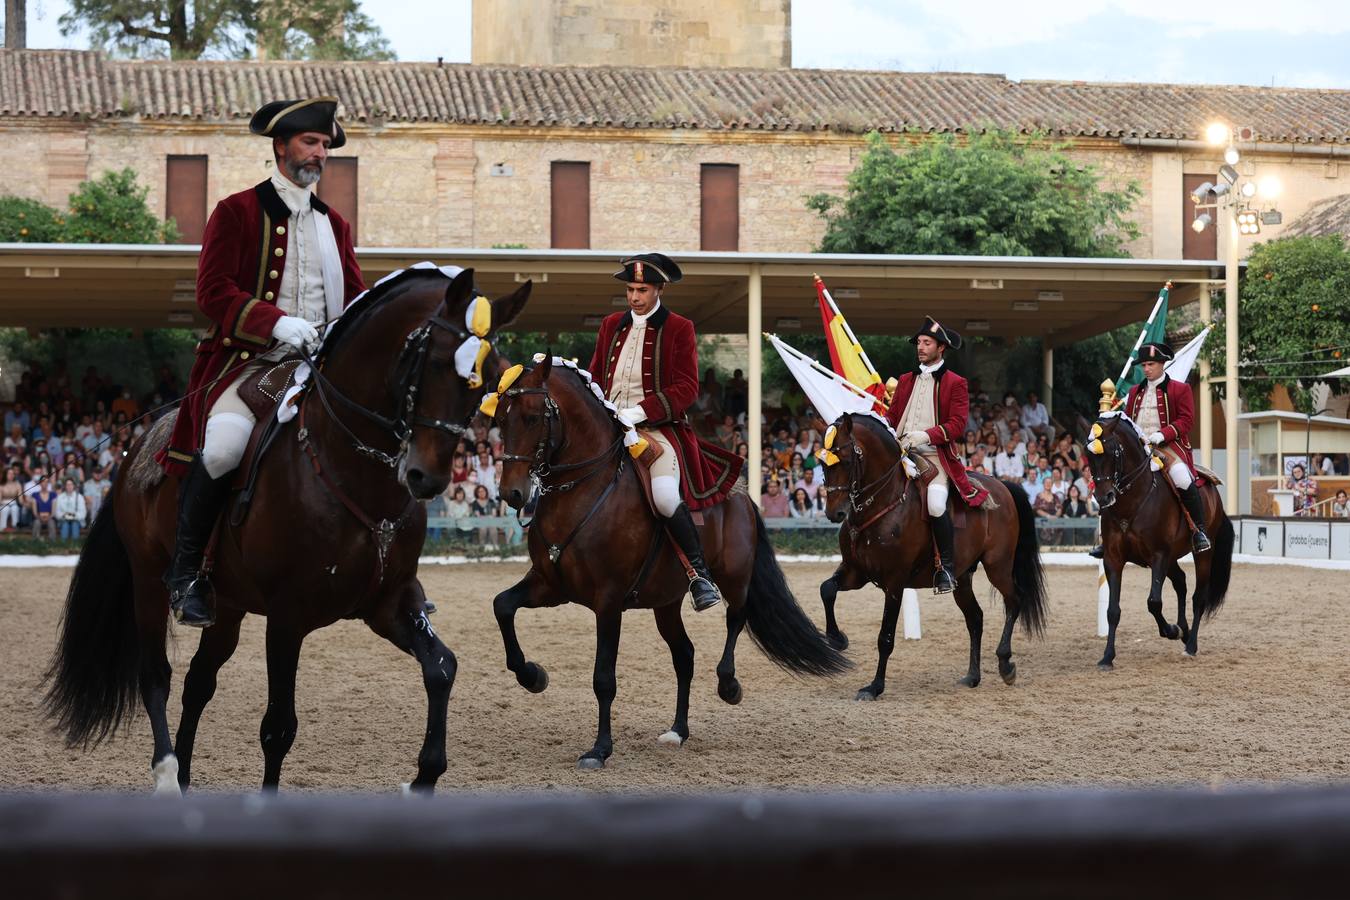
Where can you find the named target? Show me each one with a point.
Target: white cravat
(920, 414)
(302, 288)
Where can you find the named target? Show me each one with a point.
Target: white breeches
(937, 488)
(665, 476)
(228, 427)
(1180, 475)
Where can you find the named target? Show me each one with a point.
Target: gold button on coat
(281, 229)
(278, 252)
(244, 355)
(273, 274)
(268, 296)
(226, 342)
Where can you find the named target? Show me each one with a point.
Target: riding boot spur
(1190, 498)
(200, 499)
(685, 534)
(944, 579)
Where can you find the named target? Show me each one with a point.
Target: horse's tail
(1220, 567)
(93, 674)
(1028, 576)
(777, 623)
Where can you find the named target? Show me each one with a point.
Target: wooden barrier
(1054, 843)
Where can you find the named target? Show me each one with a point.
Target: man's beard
(302, 175)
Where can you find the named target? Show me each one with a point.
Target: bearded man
(276, 263)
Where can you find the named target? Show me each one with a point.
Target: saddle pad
(263, 390)
(651, 454)
(1208, 474)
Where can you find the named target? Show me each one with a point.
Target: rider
(275, 262)
(646, 362)
(929, 415)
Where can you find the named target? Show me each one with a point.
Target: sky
(1293, 43)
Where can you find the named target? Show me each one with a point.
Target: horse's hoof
(865, 695)
(1009, 676)
(838, 640)
(730, 692)
(969, 681)
(1173, 633)
(540, 680)
(1188, 654)
(405, 788)
(671, 739)
(165, 774)
(590, 763)
(1105, 666)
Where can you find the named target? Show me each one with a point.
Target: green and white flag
(1155, 330)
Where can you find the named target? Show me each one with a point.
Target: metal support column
(1206, 391)
(755, 395)
(1048, 376)
(1230, 374)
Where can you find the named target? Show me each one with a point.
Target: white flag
(1179, 369)
(830, 394)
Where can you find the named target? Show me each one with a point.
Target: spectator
(482, 507)
(96, 487)
(980, 462)
(18, 415)
(968, 446)
(1084, 480)
(124, 406)
(774, 503)
(457, 509)
(1011, 461)
(803, 445)
(1047, 506)
(435, 507)
(459, 469)
(1322, 465)
(801, 507)
(1340, 507)
(482, 463)
(1074, 505)
(15, 444)
(11, 499)
(70, 511)
(725, 433)
(1031, 485)
(1058, 486)
(808, 482)
(735, 394)
(42, 504)
(1304, 488)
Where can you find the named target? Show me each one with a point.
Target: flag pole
(1162, 295)
(825, 292)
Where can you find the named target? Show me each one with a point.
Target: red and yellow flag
(847, 356)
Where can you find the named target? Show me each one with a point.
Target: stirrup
(943, 581)
(189, 608)
(1197, 537)
(707, 590)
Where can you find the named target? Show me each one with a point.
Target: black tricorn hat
(283, 118)
(649, 268)
(937, 332)
(1155, 352)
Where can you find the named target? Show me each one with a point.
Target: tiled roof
(86, 84)
(1328, 216)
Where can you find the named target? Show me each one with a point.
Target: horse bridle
(412, 364)
(1117, 456)
(872, 490)
(541, 465)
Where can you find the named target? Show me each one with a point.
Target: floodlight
(1220, 189)
(1249, 188)
(1248, 222)
(1201, 193)
(1270, 187)
(1272, 217)
(1229, 173)
(1217, 133)
(1201, 222)
(1231, 155)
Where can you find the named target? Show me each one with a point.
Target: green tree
(29, 222)
(158, 28)
(995, 193)
(112, 210)
(1294, 317)
(318, 29)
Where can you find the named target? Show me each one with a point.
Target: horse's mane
(366, 303)
(878, 425)
(1120, 413)
(588, 383)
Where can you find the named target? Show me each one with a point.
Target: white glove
(632, 415)
(916, 439)
(295, 331)
(1156, 438)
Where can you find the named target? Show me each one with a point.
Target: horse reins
(875, 487)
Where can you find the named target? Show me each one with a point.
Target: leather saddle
(262, 393)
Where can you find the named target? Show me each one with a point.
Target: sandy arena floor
(1268, 698)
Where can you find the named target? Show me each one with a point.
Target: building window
(1197, 244)
(339, 189)
(185, 196)
(571, 205)
(720, 207)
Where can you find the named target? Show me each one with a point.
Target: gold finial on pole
(1108, 401)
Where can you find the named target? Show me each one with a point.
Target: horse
(885, 539)
(594, 540)
(334, 532)
(1143, 523)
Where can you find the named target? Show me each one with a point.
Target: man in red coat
(1164, 410)
(646, 362)
(276, 262)
(929, 413)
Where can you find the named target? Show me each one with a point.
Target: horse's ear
(545, 366)
(460, 290)
(846, 423)
(506, 309)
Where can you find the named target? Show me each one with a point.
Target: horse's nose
(515, 499)
(418, 483)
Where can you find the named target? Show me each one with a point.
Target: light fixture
(1249, 188)
(1201, 193)
(788, 324)
(1050, 296)
(1272, 217)
(844, 293)
(986, 284)
(1248, 222)
(1217, 134)
(977, 324)
(1026, 305)
(1231, 155)
(1220, 190)
(1201, 222)
(1229, 173)
(1270, 187)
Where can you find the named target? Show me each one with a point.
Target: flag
(846, 355)
(1179, 369)
(1154, 331)
(830, 394)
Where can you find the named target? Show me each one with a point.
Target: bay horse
(886, 540)
(334, 532)
(595, 541)
(1143, 523)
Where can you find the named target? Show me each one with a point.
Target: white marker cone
(1103, 599)
(909, 611)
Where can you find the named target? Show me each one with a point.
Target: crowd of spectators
(64, 440)
(1305, 487)
(473, 493)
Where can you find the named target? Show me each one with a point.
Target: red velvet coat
(670, 383)
(1176, 411)
(951, 400)
(239, 275)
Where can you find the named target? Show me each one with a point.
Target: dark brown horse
(334, 532)
(595, 541)
(886, 540)
(1143, 523)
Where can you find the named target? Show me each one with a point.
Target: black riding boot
(200, 498)
(1190, 498)
(682, 529)
(944, 580)
(1097, 552)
